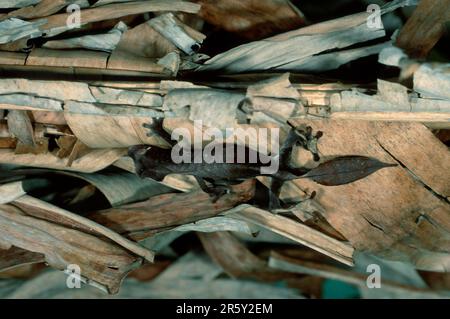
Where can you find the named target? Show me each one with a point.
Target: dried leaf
(236, 259)
(66, 145)
(151, 216)
(167, 26)
(8, 142)
(40, 147)
(103, 263)
(298, 232)
(144, 41)
(41, 8)
(345, 170)
(246, 18)
(425, 27)
(99, 42)
(14, 257)
(392, 214)
(57, 24)
(433, 81)
(49, 212)
(284, 263)
(93, 161)
(185, 278)
(121, 188)
(54, 90)
(11, 192)
(215, 108)
(14, 29)
(106, 126)
(8, 4)
(19, 124)
(215, 224)
(299, 45)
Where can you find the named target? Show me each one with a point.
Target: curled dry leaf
(14, 257)
(235, 258)
(396, 213)
(51, 213)
(20, 126)
(99, 42)
(11, 191)
(92, 161)
(298, 232)
(141, 220)
(252, 19)
(102, 263)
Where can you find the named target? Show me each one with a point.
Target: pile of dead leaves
(75, 94)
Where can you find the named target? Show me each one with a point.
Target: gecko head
(137, 151)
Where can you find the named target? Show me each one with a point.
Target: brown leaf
(298, 232)
(15, 256)
(345, 170)
(252, 19)
(141, 220)
(391, 214)
(236, 260)
(8, 142)
(425, 27)
(45, 211)
(40, 147)
(103, 263)
(19, 124)
(66, 145)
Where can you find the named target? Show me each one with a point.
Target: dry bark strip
(298, 232)
(305, 49)
(15, 256)
(236, 260)
(93, 161)
(424, 29)
(58, 23)
(102, 263)
(247, 17)
(289, 264)
(11, 191)
(20, 126)
(46, 211)
(396, 213)
(169, 210)
(42, 9)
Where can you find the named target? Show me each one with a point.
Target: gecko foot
(156, 125)
(216, 192)
(308, 141)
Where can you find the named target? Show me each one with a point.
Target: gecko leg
(157, 126)
(274, 194)
(215, 192)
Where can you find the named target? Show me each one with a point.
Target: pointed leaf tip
(345, 170)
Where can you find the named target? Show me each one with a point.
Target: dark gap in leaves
(186, 243)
